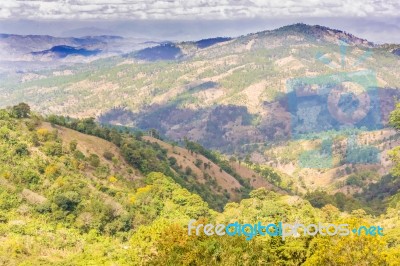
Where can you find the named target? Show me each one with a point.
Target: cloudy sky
(376, 20)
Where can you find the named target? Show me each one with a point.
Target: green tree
(108, 155)
(394, 118)
(73, 145)
(94, 160)
(21, 149)
(22, 110)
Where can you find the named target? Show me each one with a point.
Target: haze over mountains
(35, 52)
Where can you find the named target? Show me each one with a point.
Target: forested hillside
(68, 198)
(202, 171)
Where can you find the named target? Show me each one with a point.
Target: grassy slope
(285, 158)
(186, 158)
(88, 144)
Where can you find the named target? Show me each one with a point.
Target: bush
(3, 218)
(172, 161)
(73, 145)
(43, 134)
(188, 170)
(94, 160)
(21, 149)
(108, 155)
(67, 200)
(43, 208)
(354, 180)
(79, 155)
(53, 149)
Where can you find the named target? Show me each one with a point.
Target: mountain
(264, 61)
(240, 96)
(36, 52)
(393, 48)
(62, 51)
(165, 51)
(205, 172)
(171, 51)
(119, 155)
(299, 34)
(211, 41)
(397, 51)
(25, 44)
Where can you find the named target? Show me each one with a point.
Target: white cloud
(194, 9)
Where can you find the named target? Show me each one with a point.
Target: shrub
(21, 149)
(108, 155)
(172, 161)
(94, 160)
(73, 145)
(67, 200)
(43, 134)
(53, 149)
(188, 170)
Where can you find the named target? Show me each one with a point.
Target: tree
(21, 149)
(349, 250)
(67, 200)
(53, 148)
(35, 140)
(188, 170)
(22, 110)
(108, 155)
(394, 154)
(94, 160)
(154, 133)
(73, 145)
(115, 137)
(394, 119)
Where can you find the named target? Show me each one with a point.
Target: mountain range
(34, 52)
(111, 146)
(238, 96)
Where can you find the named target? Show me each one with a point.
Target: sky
(375, 20)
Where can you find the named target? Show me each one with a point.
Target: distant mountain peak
(62, 51)
(319, 32)
(204, 43)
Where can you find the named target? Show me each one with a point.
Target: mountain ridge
(233, 96)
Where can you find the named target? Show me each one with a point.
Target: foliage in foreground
(59, 206)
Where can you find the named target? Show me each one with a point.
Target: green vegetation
(320, 199)
(150, 157)
(109, 197)
(219, 160)
(60, 205)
